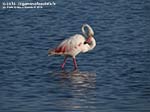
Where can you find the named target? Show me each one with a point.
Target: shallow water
(114, 77)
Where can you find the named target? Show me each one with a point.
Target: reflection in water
(77, 90)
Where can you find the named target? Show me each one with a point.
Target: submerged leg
(75, 63)
(63, 65)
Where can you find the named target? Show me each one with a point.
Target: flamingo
(72, 46)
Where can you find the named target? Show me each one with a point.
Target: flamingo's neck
(92, 44)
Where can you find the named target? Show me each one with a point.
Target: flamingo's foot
(75, 68)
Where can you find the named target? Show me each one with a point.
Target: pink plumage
(74, 45)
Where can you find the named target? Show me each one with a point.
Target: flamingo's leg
(63, 65)
(75, 63)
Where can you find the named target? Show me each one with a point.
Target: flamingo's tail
(51, 52)
(54, 52)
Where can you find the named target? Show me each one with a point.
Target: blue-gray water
(114, 77)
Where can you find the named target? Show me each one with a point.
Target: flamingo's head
(88, 40)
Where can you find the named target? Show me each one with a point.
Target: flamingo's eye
(85, 42)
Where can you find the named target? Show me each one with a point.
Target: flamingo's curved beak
(88, 40)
